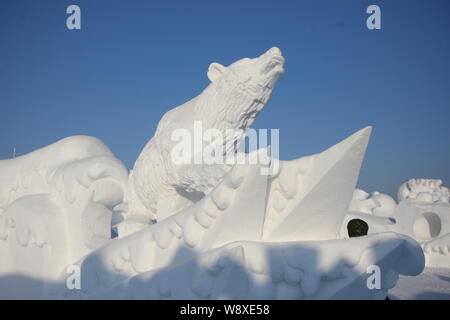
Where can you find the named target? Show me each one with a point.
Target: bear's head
(243, 88)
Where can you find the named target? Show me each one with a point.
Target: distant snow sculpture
(423, 213)
(221, 231)
(377, 204)
(361, 202)
(426, 190)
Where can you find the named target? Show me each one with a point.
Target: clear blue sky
(134, 60)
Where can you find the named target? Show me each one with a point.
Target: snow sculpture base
(215, 248)
(258, 270)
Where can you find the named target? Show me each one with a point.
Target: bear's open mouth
(277, 60)
(276, 64)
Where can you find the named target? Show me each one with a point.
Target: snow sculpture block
(424, 214)
(56, 205)
(32, 173)
(429, 224)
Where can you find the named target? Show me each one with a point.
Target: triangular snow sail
(309, 197)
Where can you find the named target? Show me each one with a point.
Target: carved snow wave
(253, 270)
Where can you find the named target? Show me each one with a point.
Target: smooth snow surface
(431, 284)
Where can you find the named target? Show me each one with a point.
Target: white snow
(431, 284)
(224, 231)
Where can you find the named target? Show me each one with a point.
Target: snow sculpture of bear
(237, 93)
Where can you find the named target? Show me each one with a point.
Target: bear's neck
(226, 108)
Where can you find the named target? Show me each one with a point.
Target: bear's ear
(215, 70)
